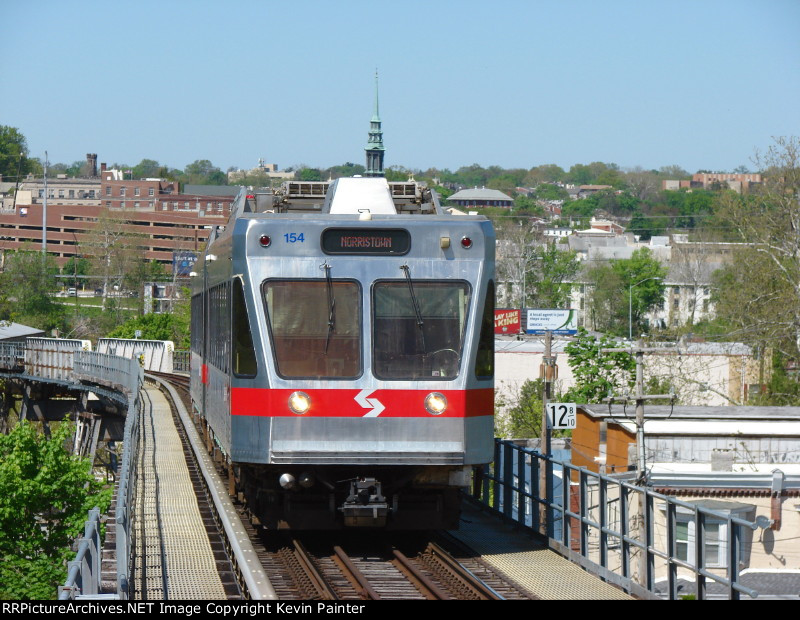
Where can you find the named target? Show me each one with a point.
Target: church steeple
(375, 147)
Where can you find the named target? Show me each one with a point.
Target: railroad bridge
(178, 533)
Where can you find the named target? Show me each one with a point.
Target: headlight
(435, 403)
(299, 402)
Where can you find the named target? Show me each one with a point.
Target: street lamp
(630, 305)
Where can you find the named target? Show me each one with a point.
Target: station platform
(173, 557)
(542, 571)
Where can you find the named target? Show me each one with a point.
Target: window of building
(108, 204)
(151, 191)
(108, 190)
(135, 205)
(122, 191)
(136, 191)
(72, 193)
(716, 534)
(122, 204)
(41, 193)
(61, 193)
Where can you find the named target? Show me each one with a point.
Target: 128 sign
(562, 415)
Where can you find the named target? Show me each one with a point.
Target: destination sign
(365, 241)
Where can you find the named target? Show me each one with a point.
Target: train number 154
(294, 237)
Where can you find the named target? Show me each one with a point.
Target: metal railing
(626, 534)
(12, 355)
(71, 362)
(83, 576)
(181, 360)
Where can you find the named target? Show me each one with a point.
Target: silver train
(343, 353)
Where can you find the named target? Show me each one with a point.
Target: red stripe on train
(349, 403)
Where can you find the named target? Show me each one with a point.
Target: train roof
(345, 195)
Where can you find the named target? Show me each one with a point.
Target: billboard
(182, 263)
(506, 321)
(556, 321)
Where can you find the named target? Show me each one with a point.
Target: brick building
(165, 220)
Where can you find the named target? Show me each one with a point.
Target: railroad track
(379, 566)
(361, 565)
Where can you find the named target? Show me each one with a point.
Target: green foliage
(524, 418)
(612, 291)
(547, 173)
(203, 172)
(550, 280)
(597, 373)
(174, 326)
(13, 153)
(45, 495)
(527, 206)
(647, 226)
(75, 267)
(147, 168)
(580, 209)
(26, 286)
(550, 191)
(783, 389)
(308, 174)
(348, 169)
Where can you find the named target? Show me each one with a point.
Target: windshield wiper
(331, 304)
(415, 303)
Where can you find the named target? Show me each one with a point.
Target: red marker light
(466, 243)
(264, 240)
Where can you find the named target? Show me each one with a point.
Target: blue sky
(700, 84)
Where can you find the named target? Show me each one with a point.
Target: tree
(348, 169)
(203, 172)
(45, 495)
(550, 191)
(516, 252)
(308, 174)
(634, 285)
(548, 173)
(13, 153)
(597, 373)
(760, 292)
(528, 206)
(26, 288)
(147, 168)
(643, 184)
(552, 275)
(112, 250)
(173, 326)
(76, 266)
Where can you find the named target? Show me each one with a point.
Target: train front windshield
(315, 327)
(418, 329)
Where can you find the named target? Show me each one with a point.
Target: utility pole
(546, 472)
(44, 212)
(645, 569)
(639, 397)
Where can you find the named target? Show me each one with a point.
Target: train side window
(244, 355)
(484, 363)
